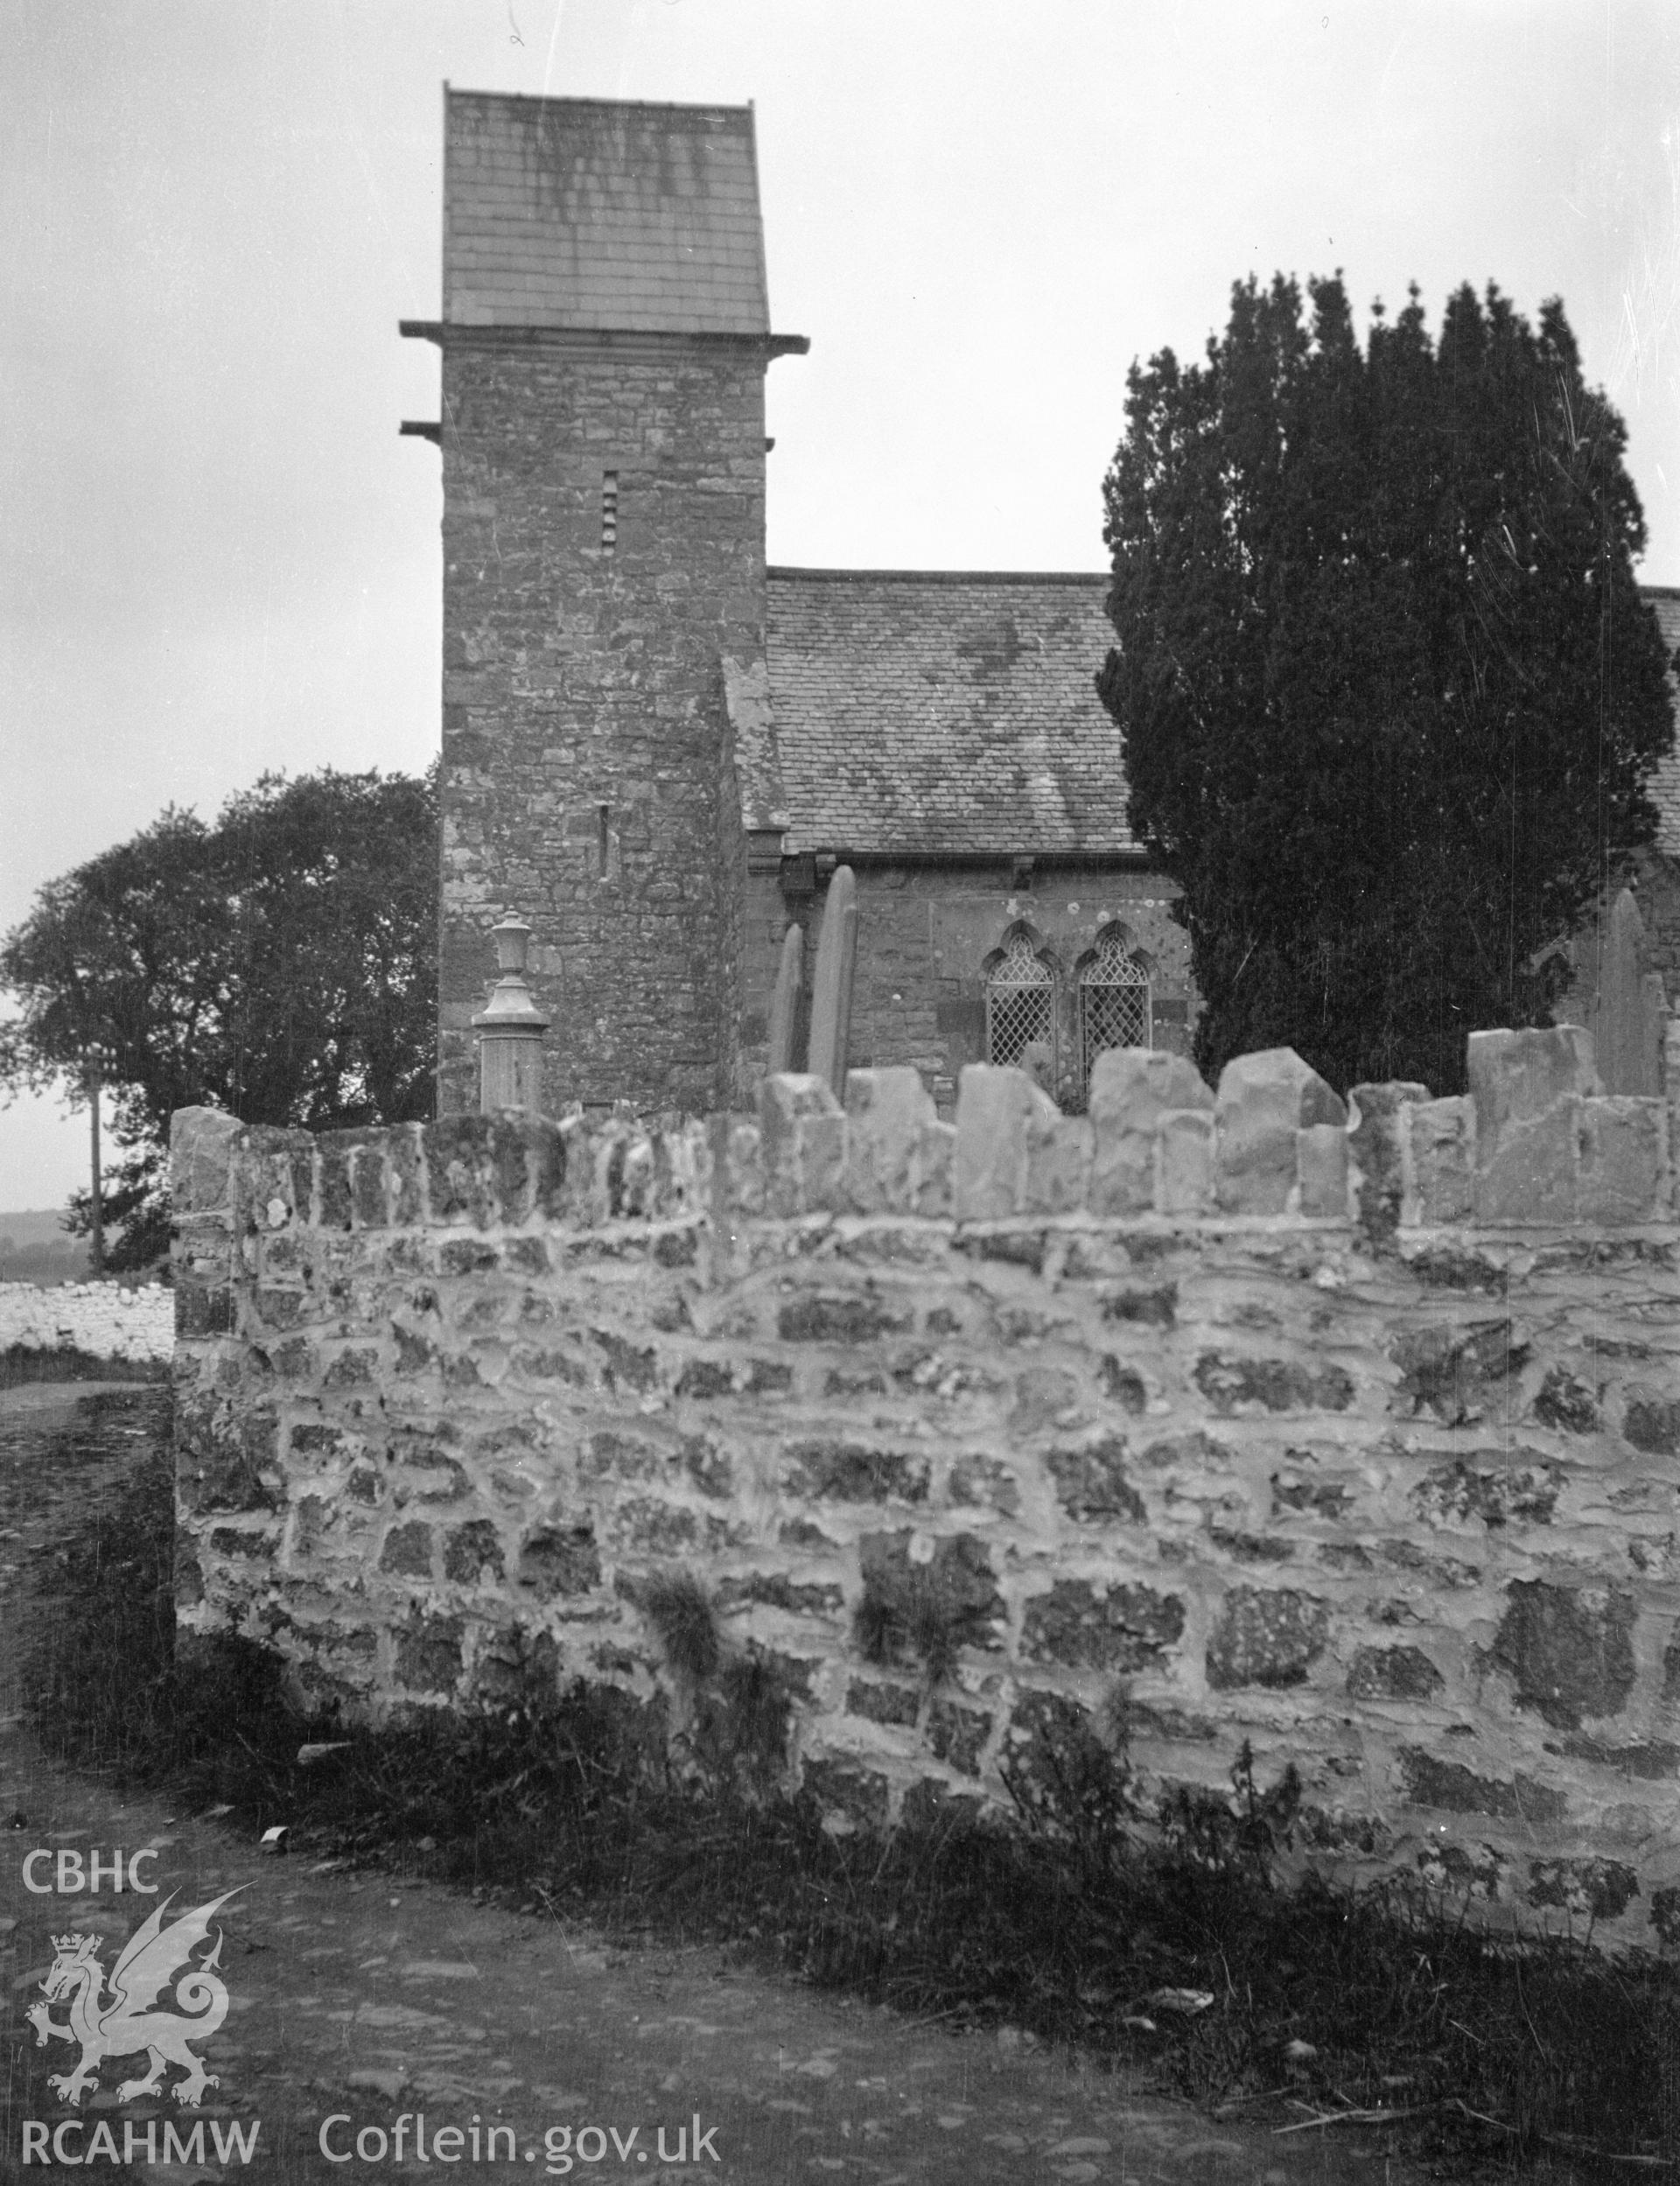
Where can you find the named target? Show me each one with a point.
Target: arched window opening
(1019, 1002)
(1113, 1002)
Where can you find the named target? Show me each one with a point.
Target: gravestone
(784, 1012)
(1633, 1011)
(837, 954)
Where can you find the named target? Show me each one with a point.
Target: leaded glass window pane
(1019, 996)
(1113, 1003)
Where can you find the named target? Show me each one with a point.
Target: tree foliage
(1388, 694)
(280, 964)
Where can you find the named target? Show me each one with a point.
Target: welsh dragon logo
(127, 2020)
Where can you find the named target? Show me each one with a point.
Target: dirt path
(378, 2005)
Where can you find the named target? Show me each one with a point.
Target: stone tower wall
(586, 782)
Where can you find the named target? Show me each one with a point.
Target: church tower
(605, 336)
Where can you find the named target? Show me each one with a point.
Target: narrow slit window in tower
(602, 838)
(609, 512)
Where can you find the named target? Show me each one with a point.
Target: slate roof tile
(941, 712)
(599, 213)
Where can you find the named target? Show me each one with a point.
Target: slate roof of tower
(1665, 781)
(601, 213)
(927, 712)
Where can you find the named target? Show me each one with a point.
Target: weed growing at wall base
(1083, 1920)
(736, 1733)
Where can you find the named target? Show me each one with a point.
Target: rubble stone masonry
(602, 554)
(107, 1319)
(1353, 1430)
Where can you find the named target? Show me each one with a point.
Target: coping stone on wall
(1527, 1087)
(1142, 1105)
(996, 1107)
(1265, 1101)
(898, 1152)
(1441, 1145)
(1378, 1143)
(1624, 1153)
(802, 1137)
(200, 1141)
(1550, 1145)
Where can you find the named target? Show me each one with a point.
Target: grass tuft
(1246, 1833)
(912, 1615)
(679, 1610)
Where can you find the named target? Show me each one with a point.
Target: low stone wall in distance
(105, 1320)
(1354, 1431)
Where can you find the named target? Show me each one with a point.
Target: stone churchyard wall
(109, 1320)
(1351, 1430)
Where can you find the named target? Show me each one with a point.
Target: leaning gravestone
(784, 1012)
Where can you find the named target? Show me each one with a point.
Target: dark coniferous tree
(1389, 693)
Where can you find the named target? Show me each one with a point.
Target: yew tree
(279, 962)
(1388, 694)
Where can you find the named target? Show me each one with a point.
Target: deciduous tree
(280, 963)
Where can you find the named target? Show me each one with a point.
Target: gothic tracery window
(1019, 1002)
(1113, 1002)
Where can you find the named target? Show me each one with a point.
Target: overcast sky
(218, 557)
